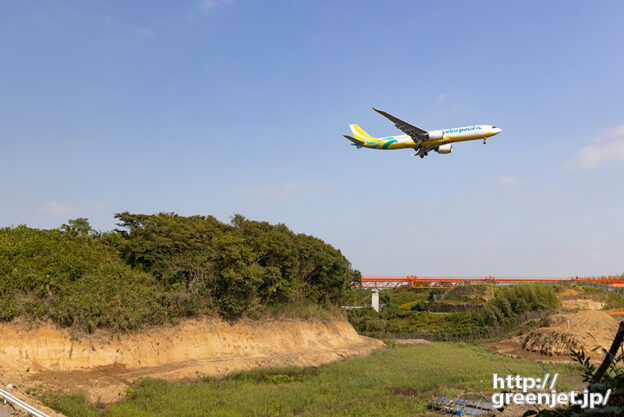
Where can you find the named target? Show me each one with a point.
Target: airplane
(423, 141)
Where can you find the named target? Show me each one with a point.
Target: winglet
(383, 113)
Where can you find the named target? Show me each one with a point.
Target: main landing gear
(420, 152)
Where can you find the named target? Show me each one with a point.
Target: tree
(243, 266)
(77, 227)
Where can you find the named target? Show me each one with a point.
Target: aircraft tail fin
(359, 133)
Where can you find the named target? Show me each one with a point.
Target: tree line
(156, 268)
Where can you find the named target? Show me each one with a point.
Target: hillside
(463, 313)
(158, 268)
(104, 365)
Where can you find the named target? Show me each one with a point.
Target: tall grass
(397, 382)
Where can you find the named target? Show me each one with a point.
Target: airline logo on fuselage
(463, 129)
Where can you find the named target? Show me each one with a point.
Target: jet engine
(448, 148)
(435, 134)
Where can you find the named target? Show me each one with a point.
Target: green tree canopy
(77, 227)
(242, 266)
(157, 267)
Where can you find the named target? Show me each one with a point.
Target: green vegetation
(475, 293)
(75, 281)
(397, 382)
(507, 307)
(612, 300)
(612, 380)
(511, 301)
(243, 267)
(157, 268)
(396, 296)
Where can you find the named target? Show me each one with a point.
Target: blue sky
(221, 107)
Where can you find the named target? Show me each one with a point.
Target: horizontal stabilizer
(356, 142)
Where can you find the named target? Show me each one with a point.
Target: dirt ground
(582, 304)
(573, 299)
(103, 366)
(552, 341)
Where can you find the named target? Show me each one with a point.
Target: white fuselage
(436, 137)
(422, 140)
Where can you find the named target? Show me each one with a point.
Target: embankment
(553, 339)
(103, 365)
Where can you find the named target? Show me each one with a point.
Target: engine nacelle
(448, 148)
(435, 134)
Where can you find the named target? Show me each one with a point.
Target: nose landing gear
(484, 141)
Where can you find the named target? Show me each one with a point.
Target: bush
(160, 267)
(279, 379)
(74, 281)
(512, 301)
(508, 306)
(243, 267)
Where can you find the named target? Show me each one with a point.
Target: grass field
(397, 382)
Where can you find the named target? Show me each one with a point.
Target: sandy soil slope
(552, 341)
(104, 365)
(573, 299)
(581, 304)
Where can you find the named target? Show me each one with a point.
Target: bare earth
(560, 332)
(103, 366)
(581, 304)
(573, 299)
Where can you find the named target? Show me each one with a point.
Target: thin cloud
(508, 181)
(55, 209)
(606, 147)
(207, 5)
(440, 98)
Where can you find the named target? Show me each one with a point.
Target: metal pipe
(21, 404)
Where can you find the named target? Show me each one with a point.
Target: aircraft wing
(416, 133)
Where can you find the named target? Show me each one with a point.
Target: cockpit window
(493, 127)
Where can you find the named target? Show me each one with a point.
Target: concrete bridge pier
(375, 300)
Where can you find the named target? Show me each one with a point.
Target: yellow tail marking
(359, 133)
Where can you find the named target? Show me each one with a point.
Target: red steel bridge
(413, 281)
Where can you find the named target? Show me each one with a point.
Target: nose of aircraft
(496, 130)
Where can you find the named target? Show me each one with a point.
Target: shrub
(159, 267)
(508, 306)
(74, 281)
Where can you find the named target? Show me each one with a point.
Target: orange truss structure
(414, 281)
